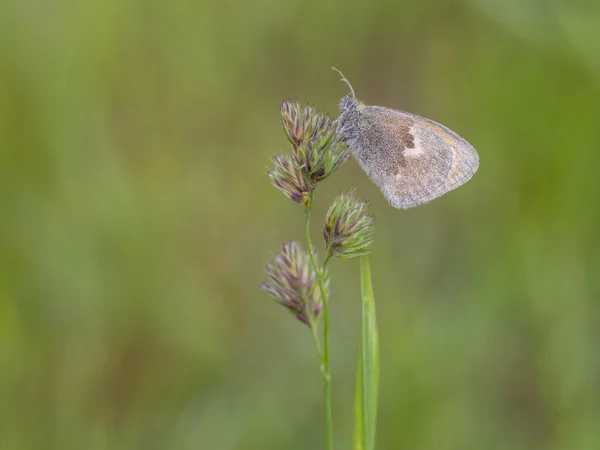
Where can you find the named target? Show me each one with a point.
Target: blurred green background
(136, 219)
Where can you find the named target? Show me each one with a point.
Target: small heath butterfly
(412, 159)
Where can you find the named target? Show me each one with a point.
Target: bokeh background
(136, 219)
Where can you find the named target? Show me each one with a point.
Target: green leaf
(369, 358)
(359, 434)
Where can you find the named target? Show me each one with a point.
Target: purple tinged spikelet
(291, 281)
(349, 227)
(315, 146)
(289, 178)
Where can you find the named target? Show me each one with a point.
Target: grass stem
(320, 271)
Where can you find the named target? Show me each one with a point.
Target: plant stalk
(320, 271)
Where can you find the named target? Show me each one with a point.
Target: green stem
(325, 359)
(313, 329)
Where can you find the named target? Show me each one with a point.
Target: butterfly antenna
(345, 80)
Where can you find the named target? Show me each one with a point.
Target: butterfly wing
(412, 159)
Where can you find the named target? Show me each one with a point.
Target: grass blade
(369, 357)
(359, 434)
